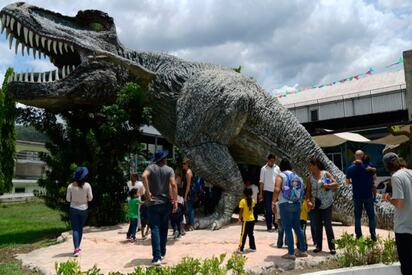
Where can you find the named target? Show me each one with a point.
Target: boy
(143, 219)
(133, 214)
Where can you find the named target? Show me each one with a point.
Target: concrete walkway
(108, 249)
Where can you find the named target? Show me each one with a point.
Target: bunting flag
(313, 87)
(400, 61)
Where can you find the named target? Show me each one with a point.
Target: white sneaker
(157, 263)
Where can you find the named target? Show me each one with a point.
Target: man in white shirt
(133, 183)
(268, 175)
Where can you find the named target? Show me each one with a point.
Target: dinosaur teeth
(10, 40)
(64, 72)
(31, 38)
(37, 38)
(34, 53)
(50, 76)
(72, 48)
(7, 20)
(57, 74)
(22, 49)
(11, 23)
(55, 47)
(2, 27)
(17, 45)
(49, 42)
(43, 41)
(18, 28)
(66, 47)
(31, 77)
(25, 32)
(61, 47)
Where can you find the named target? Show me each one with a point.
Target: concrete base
(109, 250)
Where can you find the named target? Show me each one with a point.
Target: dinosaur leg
(213, 162)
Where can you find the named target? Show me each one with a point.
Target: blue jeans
(190, 211)
(267, 200)
(77, 220)
(158, 216)
(290, 216)
(131, 233)
(359, 204)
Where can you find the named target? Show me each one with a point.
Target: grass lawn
(25, 227)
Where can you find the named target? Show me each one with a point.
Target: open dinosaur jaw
(63, 54)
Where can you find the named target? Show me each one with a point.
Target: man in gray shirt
(161, 191)
(401, 198)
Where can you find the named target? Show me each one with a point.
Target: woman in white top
(79, 193)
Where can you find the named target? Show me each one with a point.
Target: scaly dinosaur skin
(216, 116)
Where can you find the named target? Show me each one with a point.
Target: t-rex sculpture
(216, 116)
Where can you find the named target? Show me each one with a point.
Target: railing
(28, 155)
(372, 92)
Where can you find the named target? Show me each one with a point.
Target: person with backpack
(320, 186)
(289, 191)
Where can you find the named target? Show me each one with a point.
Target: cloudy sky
(279, 43)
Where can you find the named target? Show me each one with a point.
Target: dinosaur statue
(216, 116)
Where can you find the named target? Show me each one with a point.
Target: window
(20, 190)
(314, 115)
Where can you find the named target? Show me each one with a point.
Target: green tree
(7, 136)
(99, 139)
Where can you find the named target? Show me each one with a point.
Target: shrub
(211, 266)
(365, 251)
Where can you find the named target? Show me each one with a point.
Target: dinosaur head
(70, 43)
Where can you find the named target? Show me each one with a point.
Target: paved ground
(107, 248)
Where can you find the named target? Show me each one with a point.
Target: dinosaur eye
(97, 27)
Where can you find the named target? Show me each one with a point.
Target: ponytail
(248, 194)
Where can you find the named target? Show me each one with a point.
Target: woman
(79, 193)
(188, 186)
(289, 190)
(320, 185)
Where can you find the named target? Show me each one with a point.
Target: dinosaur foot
(213, 222)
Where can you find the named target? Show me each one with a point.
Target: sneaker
(317, 250)
(76, 252)
(300, 254)
(252, 249)
(162, 257)
(157, 262)
(333, 252)
(238, 251)
(289, 257)
(132, 239)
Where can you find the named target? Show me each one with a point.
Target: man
(161, 191)
(401, 198)
(268, 175)
(360, 175)
(133, 183)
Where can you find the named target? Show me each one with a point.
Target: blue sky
(279, 43)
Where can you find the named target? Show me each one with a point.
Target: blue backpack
(293, 189)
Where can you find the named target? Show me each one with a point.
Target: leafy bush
(97, 138)
(365, 251)
(211, 266)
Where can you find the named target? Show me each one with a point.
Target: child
(247, 219)
(133, 214)
(176, 218)
(143, 219)
(304, 213)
